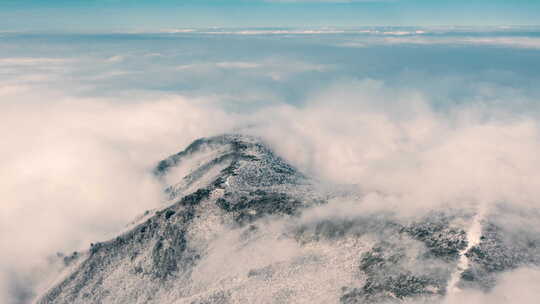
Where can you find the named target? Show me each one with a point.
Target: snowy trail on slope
(473, 238)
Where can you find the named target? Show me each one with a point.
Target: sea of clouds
(418, 121)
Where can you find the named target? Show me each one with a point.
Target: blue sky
(103, 15)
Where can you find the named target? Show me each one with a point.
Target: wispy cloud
(275, 69)
(518, 42)
(29, 61)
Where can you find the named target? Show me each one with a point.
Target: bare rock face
(234, 231)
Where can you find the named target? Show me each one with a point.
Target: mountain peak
(217, 182)
(235, 230)
(230, 160)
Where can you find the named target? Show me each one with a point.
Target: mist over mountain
(238, 229)
(373, 165)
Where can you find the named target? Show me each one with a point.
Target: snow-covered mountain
(237, 230)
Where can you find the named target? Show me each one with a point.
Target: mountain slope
(236, 231)
(233, 178)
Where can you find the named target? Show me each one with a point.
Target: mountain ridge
(234, 232)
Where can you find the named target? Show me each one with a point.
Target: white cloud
(516, 42)
(391, 143)
(518, 286)
(276, 69)
(238, 65)
(177, 31)
(76, 170)
(116, 58)
(31, 61)
(72, 163)
(276, 32)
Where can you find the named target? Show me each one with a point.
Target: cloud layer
(411, 128)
